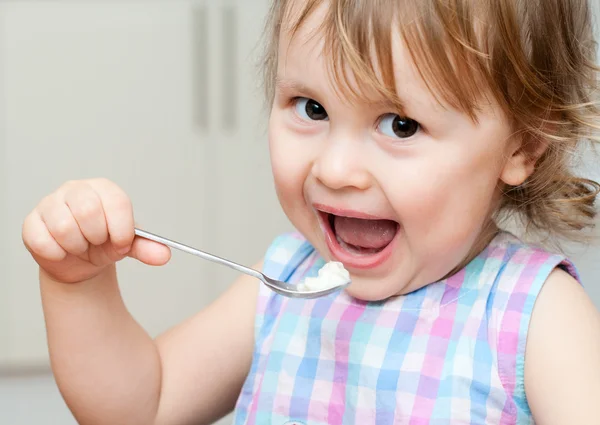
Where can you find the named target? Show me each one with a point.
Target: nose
(342, 164)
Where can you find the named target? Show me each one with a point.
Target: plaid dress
(449, 353)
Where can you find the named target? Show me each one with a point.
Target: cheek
(289, 169)
(446, 190)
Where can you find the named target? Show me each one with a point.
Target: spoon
(282, 288)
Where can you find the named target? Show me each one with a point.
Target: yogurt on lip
(331, 275)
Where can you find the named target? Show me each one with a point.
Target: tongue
(371, 234)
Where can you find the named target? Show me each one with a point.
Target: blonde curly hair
(536, 58)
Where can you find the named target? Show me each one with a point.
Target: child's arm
(562, 363)
(206, 359)
(109, 370)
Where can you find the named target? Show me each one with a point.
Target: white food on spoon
(331, 275)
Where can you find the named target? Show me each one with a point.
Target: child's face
(433, 184)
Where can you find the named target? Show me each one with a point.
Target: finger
(63, 227)
(104, 254)
(39, 241)
(118, 212)
(86, 207)
(150, 252)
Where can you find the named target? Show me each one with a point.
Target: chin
(373, 290)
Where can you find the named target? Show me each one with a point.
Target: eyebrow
(286, 85)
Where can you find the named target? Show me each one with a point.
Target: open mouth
(356, 241)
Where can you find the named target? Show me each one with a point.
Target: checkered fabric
(449, 353)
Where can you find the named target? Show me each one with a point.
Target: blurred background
(163, 97)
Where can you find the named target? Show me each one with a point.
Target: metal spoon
(282, 288)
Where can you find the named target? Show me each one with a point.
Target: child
(400, 130)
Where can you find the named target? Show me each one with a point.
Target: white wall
(32, 400)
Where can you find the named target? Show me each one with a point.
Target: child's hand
(84, 227)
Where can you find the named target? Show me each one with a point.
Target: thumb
(149, 252)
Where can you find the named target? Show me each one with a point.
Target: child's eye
(394, 125)
(310, 110)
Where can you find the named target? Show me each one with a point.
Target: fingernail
(123, 250)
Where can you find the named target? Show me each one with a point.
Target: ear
(523, 153)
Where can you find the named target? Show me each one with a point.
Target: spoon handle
(198, 253)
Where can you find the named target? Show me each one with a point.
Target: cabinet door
(101, 89)
(247, 214)
(134, 91)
